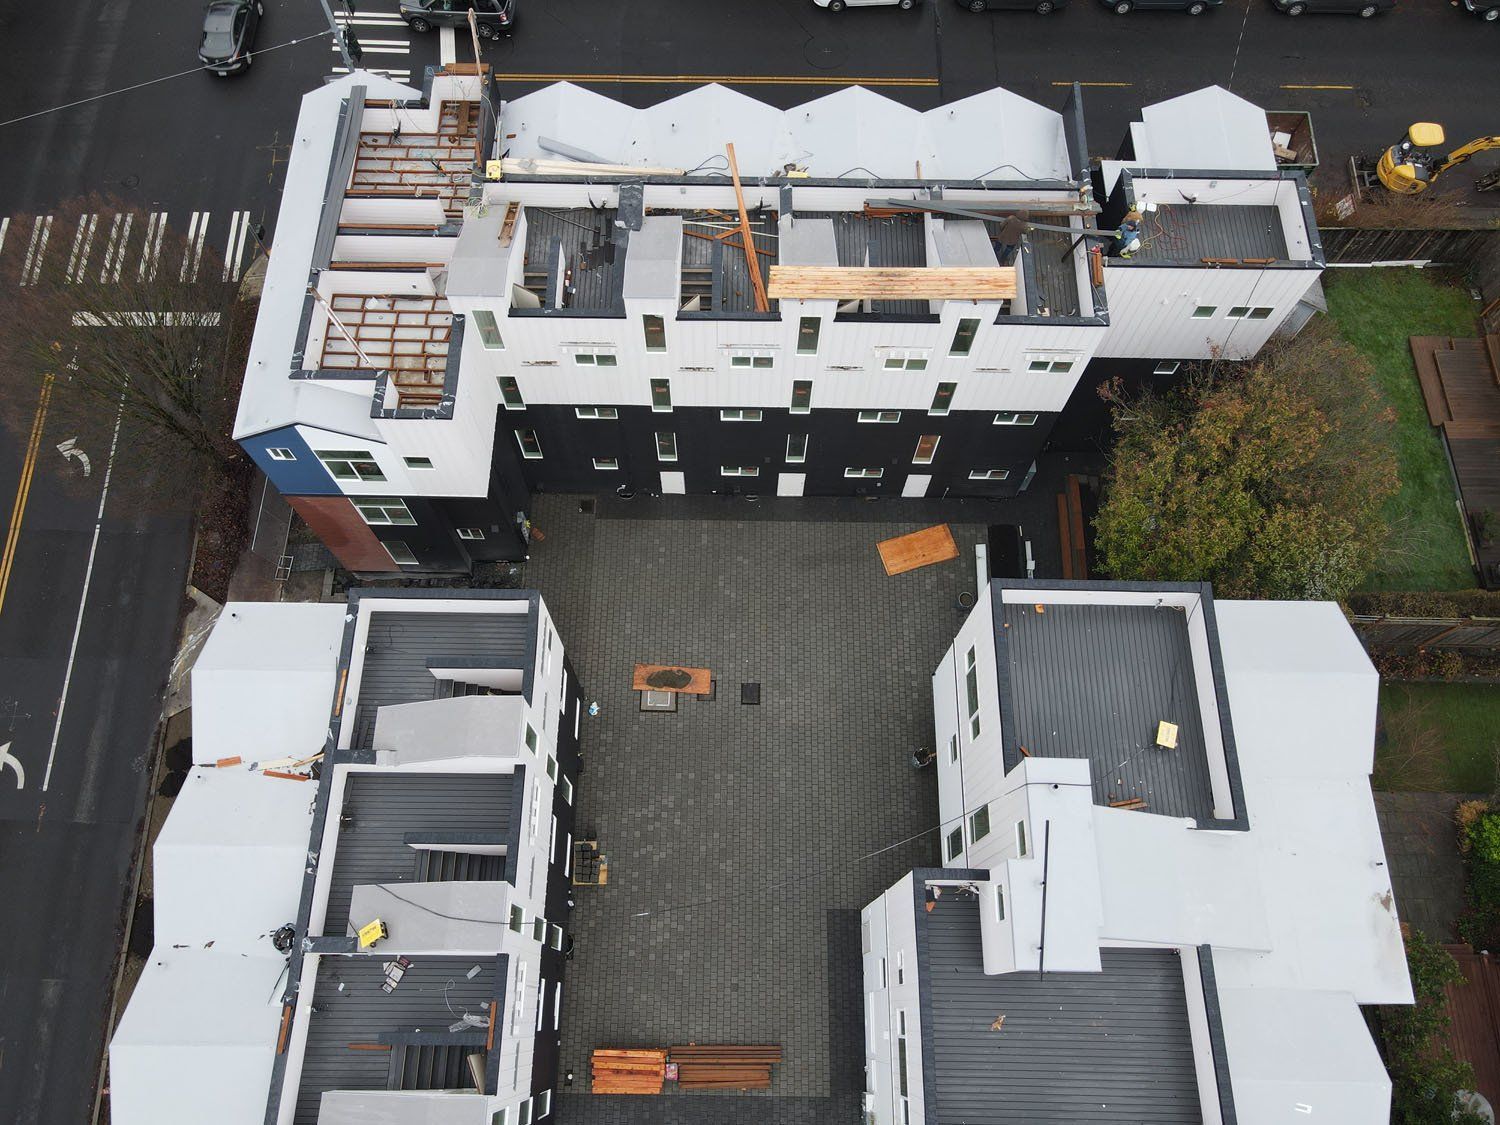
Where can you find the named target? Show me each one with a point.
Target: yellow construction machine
(1413, 165)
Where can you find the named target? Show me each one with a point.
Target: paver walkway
(1421, 845)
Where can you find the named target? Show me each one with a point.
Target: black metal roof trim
(782, 181)
(890, 318)
(1241, 820)
(497, 1018)
(340, 168)
(529, 672)
(1216, 1034)
(1074, 135)
(518, 808)
(1057, 321)
(1010, 738)
(728, 314)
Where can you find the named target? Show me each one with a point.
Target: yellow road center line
(23, 489)
(726, 79)
(1317, 87)
(1116, 84)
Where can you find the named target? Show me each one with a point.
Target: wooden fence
(1435, 634)
(1353, 246)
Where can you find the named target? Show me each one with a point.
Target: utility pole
(348, 45)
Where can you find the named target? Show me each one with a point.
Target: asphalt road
(208, 151)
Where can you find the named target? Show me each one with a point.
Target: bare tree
(126, 323)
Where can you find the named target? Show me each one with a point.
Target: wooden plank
(699, 679)
(1065, 535)
(1423, 357)
(1473, 1006)
(920, 548)
(1075, 528)
(747, 236)
(915, 283)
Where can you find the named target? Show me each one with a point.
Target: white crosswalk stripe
(36, 249)
(192, 258)
(234, 253)
(381, 47)
(114, 253)
(83, 243)
(4, 228)
(112, 234)
(370, 19)
(394, 74)
(151, 251)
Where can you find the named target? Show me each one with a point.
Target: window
(279, 453)
(942, 399)
(661, 395)
(607, 464)
(1166, 367)
(530, 737)
(953, 748)
(538, 929)
(1056, 365)
(739, 470)
(879, 416)
(988, 474)
(971, 688)
(350, 464)
(979, 824)
(517, 920)
(807, 334)
(656, 333)
(1260, 314)
(380, 511)
(801, 396)
(1238, 312)
(870, 474)
(471, 533)
(531, 448)
(541, 1005)
(590, 358)
(905, 360)
(556, 1020)
(900, 966)
(554, 937)
(489, 331)
(523, 1114)
(796, 448)
(400, 553)
(510, 392)
(739, 415)
(418, 462)
(884, 983)
(756, 361)
(1013, 418)
(551, 768)
(999, 903)
(567, 789)
(1204, 312)
(500, 1117)
(595, 413)
(955, 843)
(1246, 312)
(666, 446)
(901, 1079)
(926, 449)
(544, 1099)
(963, 339)
(1020, 838)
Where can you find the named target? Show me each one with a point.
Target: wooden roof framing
(935, 283)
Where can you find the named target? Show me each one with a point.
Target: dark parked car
(1191, 7)
(228, 34)
(1487, 10)
(493, 18)
(1041, 7)
(1362, 8)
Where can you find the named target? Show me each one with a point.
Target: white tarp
(263, 685)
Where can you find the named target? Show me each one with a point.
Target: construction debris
(629, 1071)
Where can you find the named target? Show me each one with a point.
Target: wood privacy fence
(1352, 246)
(1435, 634)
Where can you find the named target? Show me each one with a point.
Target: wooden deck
(1460, 381)
(1474, 1018)
(920, 548)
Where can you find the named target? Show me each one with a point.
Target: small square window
(1038, 364)
(551, 767)
(517, 919)
(595, 413)
(979, 823)
(1166, 367)
(544, 1101)
(1015, 418)
(999, 903)
(1061, 366)
(886, 416)
(530, 737)
(1204, 312)
(531, 448)
(510, 392)
(281, 454)
(567, 789)
(661, 395)
(607, 464)
(489, 330)
(1020, 838)
(739, 415)
(801, 396)
(471, 533)
(656, 333)
(739, 470)
(666, 446)
(1260, 313)
(554, 937)
(865, 474)
(400, 552)
(796, 448)
(1238, 312)
(418, 462)
(955, 843)
(988, 474)
(807, 334)
(942, 399)
(926, 449)
(963, 338)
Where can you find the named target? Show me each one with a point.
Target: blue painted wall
(305, 476)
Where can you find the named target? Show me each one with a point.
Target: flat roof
(1189, 232)
(1111, 1046)
(593, 255)
(1092, 680)
(896, 241)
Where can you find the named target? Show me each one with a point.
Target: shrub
(1465, 815)
(1480, 841)
(1425, 1076)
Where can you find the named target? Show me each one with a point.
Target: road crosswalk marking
(83, 243)
(114, 252)
(239, 231)
(4, 227)
(36, 249)
(192, 258)
(151, 252)
(126, 244)
(395, 74)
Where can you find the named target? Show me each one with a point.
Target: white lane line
(41, 230)
(370, 19)
(83, 601)
(74, 270)
(151, 251)
(447, 46)
(239, 229)
(380, 47)
(396, 75)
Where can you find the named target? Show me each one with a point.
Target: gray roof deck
(432, 996)
(381, 809)
(1092, 681)
(590, 248)
(1112, 1046)
(1189, 232)
(897, 241)
(401, 645)
(710, 264)
(1056, 276)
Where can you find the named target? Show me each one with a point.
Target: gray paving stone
(1421, 846)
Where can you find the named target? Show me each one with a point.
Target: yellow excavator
(1414, 164)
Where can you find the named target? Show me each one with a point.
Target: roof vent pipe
(583, 156)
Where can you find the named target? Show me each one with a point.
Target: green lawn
(1438, 737)
(1376, 310)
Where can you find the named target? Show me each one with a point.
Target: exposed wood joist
(747, 236)
(921, 283)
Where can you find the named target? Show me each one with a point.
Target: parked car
(1487, 10)
(228, 35)
(840, 5)
(493, 18)
(1191, 7)
(1041, 7)
(1361, 8)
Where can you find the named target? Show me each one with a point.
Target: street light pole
(338, 36)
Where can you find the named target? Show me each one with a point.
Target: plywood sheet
(916, 283)
(668, 677)
(920, 548)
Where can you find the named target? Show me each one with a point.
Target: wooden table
(920, 548)
(699, 679)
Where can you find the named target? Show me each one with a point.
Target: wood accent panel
(917, 283)
(1473, 1031)
(344, 532)
(920, 548)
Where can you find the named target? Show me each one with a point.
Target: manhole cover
(750, 694)
(825, 52)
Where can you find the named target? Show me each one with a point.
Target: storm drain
(750, 694)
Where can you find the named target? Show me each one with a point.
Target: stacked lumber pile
(725, 1067)
(631, 1071)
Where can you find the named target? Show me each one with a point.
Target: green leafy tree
(1265, 478)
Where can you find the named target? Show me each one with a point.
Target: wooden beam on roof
(747, 236)
(917, 283)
